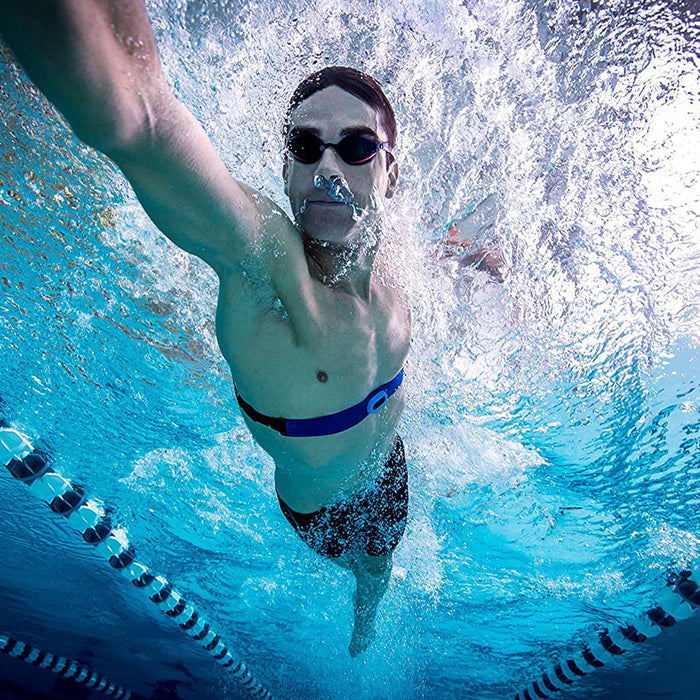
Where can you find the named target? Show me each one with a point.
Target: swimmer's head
(361, 85)
(336, 194)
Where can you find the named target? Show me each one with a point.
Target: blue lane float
(91, 520)
(677, 602)
(61, 666)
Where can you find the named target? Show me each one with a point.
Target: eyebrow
(359, 129)
(307, 129)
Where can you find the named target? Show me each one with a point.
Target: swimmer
(315, 342)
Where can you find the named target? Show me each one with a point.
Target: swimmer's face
(331, 114)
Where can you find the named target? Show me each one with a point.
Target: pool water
(552, 419)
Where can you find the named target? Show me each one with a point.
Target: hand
(470, 254)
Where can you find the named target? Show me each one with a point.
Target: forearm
(96, 60)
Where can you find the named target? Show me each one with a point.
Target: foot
(363, 635)
(372, 577)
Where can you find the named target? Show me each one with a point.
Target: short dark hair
(361, 85)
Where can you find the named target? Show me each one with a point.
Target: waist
(385, 476)
(327, 424)
(306, 481)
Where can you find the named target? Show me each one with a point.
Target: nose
(328, 165)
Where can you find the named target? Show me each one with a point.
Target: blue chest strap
(330, 424)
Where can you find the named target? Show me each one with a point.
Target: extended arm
(97, 61)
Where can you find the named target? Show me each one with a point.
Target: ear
(285, 172)
(392, 178)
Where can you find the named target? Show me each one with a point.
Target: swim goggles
(354, 149)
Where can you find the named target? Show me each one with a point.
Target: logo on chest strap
(377, 401)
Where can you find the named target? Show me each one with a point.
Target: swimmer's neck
(347, 267)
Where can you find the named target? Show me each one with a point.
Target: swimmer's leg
(372, 576)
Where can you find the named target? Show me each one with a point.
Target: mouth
(320, 204)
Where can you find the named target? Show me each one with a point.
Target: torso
(299, 348)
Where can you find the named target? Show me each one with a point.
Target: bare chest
(315, 352)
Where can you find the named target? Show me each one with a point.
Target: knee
(375, 566)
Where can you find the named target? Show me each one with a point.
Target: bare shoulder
(390, 292)
(274, 258)
(273, 239)
(265, 292)
(394, 315)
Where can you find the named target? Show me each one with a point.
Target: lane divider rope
(677, 602)
(91, 519)
(60, 665)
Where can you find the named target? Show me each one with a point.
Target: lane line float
(677, 602)
(61, 666)
(93, 522)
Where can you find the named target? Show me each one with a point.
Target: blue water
(552, 420)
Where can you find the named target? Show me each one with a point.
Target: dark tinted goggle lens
(354, 149)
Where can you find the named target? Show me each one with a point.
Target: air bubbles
(336, 187)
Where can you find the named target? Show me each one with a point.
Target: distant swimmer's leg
(372, 575)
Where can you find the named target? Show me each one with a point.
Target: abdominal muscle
(312, 472)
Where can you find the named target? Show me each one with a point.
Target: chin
(339, 231)
(331, 238)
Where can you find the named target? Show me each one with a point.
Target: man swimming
(315, 342)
